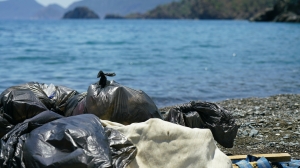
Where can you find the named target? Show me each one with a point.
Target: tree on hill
(209, 9)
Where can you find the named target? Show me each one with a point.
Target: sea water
(173, 61)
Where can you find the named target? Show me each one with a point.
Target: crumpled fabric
(206, 115)
(162, 144)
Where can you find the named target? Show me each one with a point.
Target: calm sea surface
(173, 61)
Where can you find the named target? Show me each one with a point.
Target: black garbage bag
(76, 105)
(76, 141)
(53, 97)
(123, 151)
(11, 144)
(208, 115)
(21, 104)
(61, 95)
(51, 140)
(120, 104)
(39, 90)
(5, 126)
(191, 119)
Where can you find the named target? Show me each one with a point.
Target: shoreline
(267, 125)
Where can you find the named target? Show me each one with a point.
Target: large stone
(288, 17)
(283, 11)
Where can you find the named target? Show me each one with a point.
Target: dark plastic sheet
(120, 104)
(217, 119)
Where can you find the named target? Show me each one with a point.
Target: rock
(283, 11)
(245, 133)
(253, 133)
(272, 144)
(287, 136)
(297, 133)
(288, 17)
(81, 13)
(276, 128)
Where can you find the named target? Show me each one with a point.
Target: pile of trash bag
(55, 126)
(206, 115)
(114, 102)
(51, 140)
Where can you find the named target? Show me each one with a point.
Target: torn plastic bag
(76, 105)
(20, 105)
(11, 144)
(217, 119)
(49, 140)
(120, 104)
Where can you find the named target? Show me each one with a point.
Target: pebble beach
(267, 125)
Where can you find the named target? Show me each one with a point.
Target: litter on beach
(112, 125)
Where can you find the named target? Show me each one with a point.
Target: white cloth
(162, 144)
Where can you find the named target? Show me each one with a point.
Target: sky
(63, 3)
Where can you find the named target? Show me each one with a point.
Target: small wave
(26, 58)
(208, 46)
(33, 50)
(106, 42)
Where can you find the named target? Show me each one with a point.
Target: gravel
(267, 125)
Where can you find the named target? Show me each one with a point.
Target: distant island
(253, 10)
(206, 9)
(263, 10)
(81, 13)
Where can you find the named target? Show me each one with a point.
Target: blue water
(173, 61)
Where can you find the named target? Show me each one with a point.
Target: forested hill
(207, 9)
